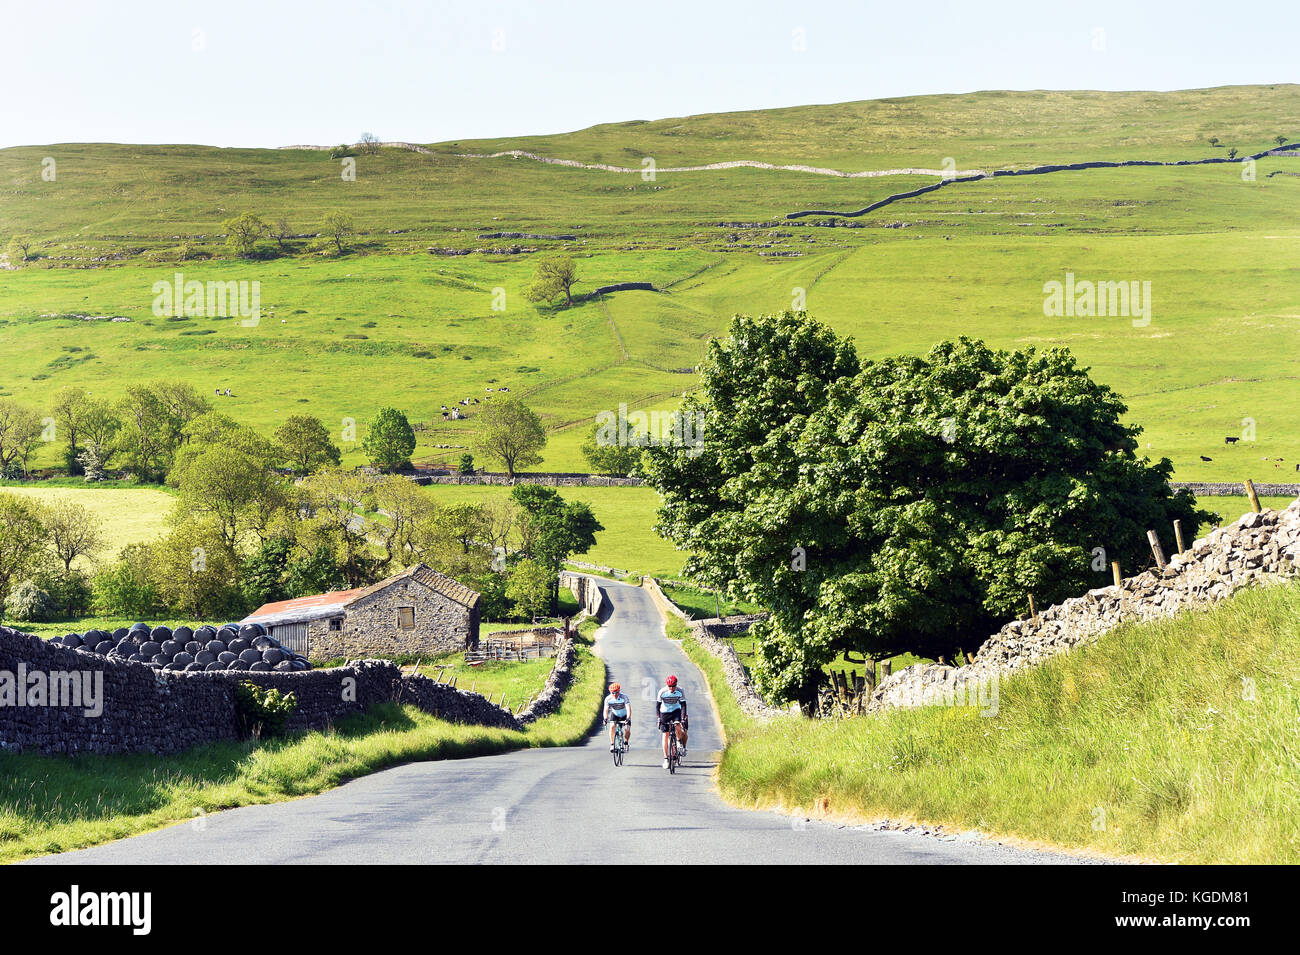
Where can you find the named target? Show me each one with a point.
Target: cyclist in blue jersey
(618, 709)
(672, 707)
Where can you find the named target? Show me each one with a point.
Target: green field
(130, 515)
(628, 541)
(389, 323)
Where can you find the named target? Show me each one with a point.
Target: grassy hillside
(1173, 740)
(388, 323)
(994, 129)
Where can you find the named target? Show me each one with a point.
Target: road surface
(566, 805)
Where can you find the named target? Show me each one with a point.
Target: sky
(271, 73)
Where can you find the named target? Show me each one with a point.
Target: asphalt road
(567, 805)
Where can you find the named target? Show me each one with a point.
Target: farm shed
(418, 611)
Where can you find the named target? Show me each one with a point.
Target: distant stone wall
(590, 596)
(552, 479)
(708, 634)
(1208, 489)
(144, 710)
(1255, 549)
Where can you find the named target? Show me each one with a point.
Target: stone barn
(418, 611)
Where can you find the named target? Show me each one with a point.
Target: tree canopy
(555, 275)
(512, 433)
(390, 442)
(912, 504)
(306, 445)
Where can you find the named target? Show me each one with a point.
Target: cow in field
(1231, 440)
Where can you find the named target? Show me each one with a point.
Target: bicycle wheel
(618, 746)
(672, 754)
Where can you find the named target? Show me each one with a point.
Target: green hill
(389, 323)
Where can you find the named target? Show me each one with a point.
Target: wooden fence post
(886, 669)
(1033, 614)
(1178, 536)
(1254, 498)
(1114, 569)
(1154, 540)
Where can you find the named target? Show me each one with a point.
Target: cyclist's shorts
(615, 718)
(665, 719)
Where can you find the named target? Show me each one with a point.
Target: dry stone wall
(1256, 549)
(709, 634)
(590, 597)
(123, 706)
(552, 695)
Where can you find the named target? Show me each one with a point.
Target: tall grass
(54, 804)
(1174, 740)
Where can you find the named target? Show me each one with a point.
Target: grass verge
(1173, 740)
(53, 804)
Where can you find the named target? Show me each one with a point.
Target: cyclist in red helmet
(672, 708)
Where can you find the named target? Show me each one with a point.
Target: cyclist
(672, 706)
(618, 710)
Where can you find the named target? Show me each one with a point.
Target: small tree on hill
(281, 231)
(20, 247)
(555, 275)
(390, 440)
(243, 231)
(338, 226)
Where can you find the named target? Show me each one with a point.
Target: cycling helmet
(614, 688)
(671, 681)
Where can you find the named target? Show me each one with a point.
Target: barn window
(406, 618)
(336, 623)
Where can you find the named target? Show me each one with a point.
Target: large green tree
(610, 457)
(912, 506)
(305, 444)
(512, 433)
(22, 540)
(390, 440)
(20, 433)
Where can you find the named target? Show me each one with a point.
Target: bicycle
(620, 744)
(674, 757)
